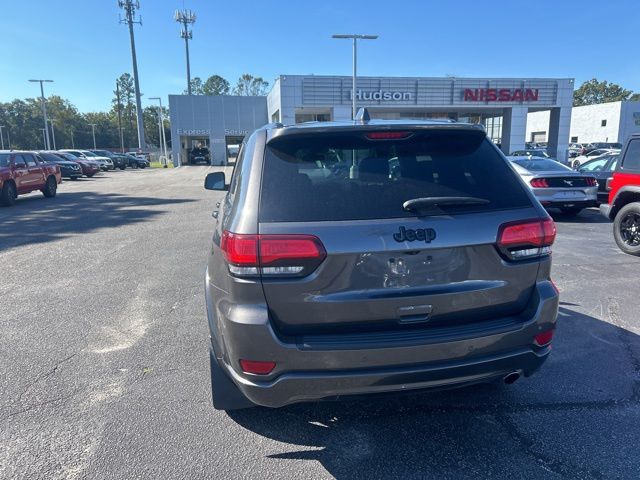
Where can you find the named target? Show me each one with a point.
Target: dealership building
(604, 122)
(500, 104)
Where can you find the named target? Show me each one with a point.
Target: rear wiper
(425, 202)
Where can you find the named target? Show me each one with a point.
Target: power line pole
(119, 116)
(186, 18)
(44, 138)
(47, 146)
(53, 134)
(2, 136)
(130, 7)
(73, 143)
(162, 137)
(93, 132)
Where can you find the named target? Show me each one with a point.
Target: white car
(577, 162)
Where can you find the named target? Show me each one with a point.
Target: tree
(127, 97)
(196, 87)
(593, 91)
(216, 85)
(249, 85)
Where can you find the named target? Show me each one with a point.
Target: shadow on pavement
(576, 418)
(35, 219)
(588, 215)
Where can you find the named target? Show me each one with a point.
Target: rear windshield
(346, 176)
(541, 165)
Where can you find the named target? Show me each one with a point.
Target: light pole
(161, 137)
(130, 7)
(93, 132)
(2, 136)
(73, 144)
(186, 18)
(44, 138)
(355, 39)
(44, 111)
(53, 134)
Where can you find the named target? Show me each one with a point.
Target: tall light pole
(161, 137)
(44, 138)
(186, 18)
(355, 39)
(119, 116)
(44, 111)
(130, 7)
(2, 137)
(73, 143)
(53, 134)
(93, 132)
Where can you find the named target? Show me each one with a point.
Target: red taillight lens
(275, 249)
(240, 249)
(539, 183)
(591, 181)
(543, 338)
(282, 255)
(387, 135)
(256, 367)
(526, 239)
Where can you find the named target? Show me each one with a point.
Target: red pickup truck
(624, 198)
(24, 172)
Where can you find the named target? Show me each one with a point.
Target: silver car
(556, 185)
(373, 256)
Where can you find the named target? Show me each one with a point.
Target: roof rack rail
(362, 116)
(273, 125)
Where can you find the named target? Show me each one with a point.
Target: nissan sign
(501, 95)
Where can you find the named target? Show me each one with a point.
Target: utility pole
(53, 134)
(73, 144)
(2, 137)
(355, 39)
(161, 137)
(44, 111)
(44, 138)
(186, 18)
(119, 117)
(93, 132)
(130, 7)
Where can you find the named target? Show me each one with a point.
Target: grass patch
(160, 165)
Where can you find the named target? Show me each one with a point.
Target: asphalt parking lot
(105, 361)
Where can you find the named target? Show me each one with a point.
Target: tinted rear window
(541, 165)
(345, 176)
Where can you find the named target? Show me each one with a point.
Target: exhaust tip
(511, 378)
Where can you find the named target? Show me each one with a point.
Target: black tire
(8, 195)
(572, 211)
(224, 393)
(122, 167)
(73, 178)
(626, 229)
(50, 188)
(89, 175)
(143, 166)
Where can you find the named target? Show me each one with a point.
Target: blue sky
(81, 45)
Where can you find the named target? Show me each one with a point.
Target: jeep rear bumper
(314, 369)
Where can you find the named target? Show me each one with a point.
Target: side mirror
(215, 181)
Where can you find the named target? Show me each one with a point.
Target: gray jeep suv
(374, 256)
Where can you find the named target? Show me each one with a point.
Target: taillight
(591, 181)
(272, 255)
(543, 338)
(257, 367)
(539, 183)
(531, 238)
(387, 135)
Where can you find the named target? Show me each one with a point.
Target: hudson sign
(500, 94)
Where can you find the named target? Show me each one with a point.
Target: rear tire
(626, 229)
(571, 211)
(8, 195)
(123, 167)
(224, 393)
(50, 188)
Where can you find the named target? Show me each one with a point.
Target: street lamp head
(357, 36)
(48, 81)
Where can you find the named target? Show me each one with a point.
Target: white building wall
(629, 120)
(537, 122)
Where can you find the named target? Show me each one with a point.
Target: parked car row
(22, 172)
